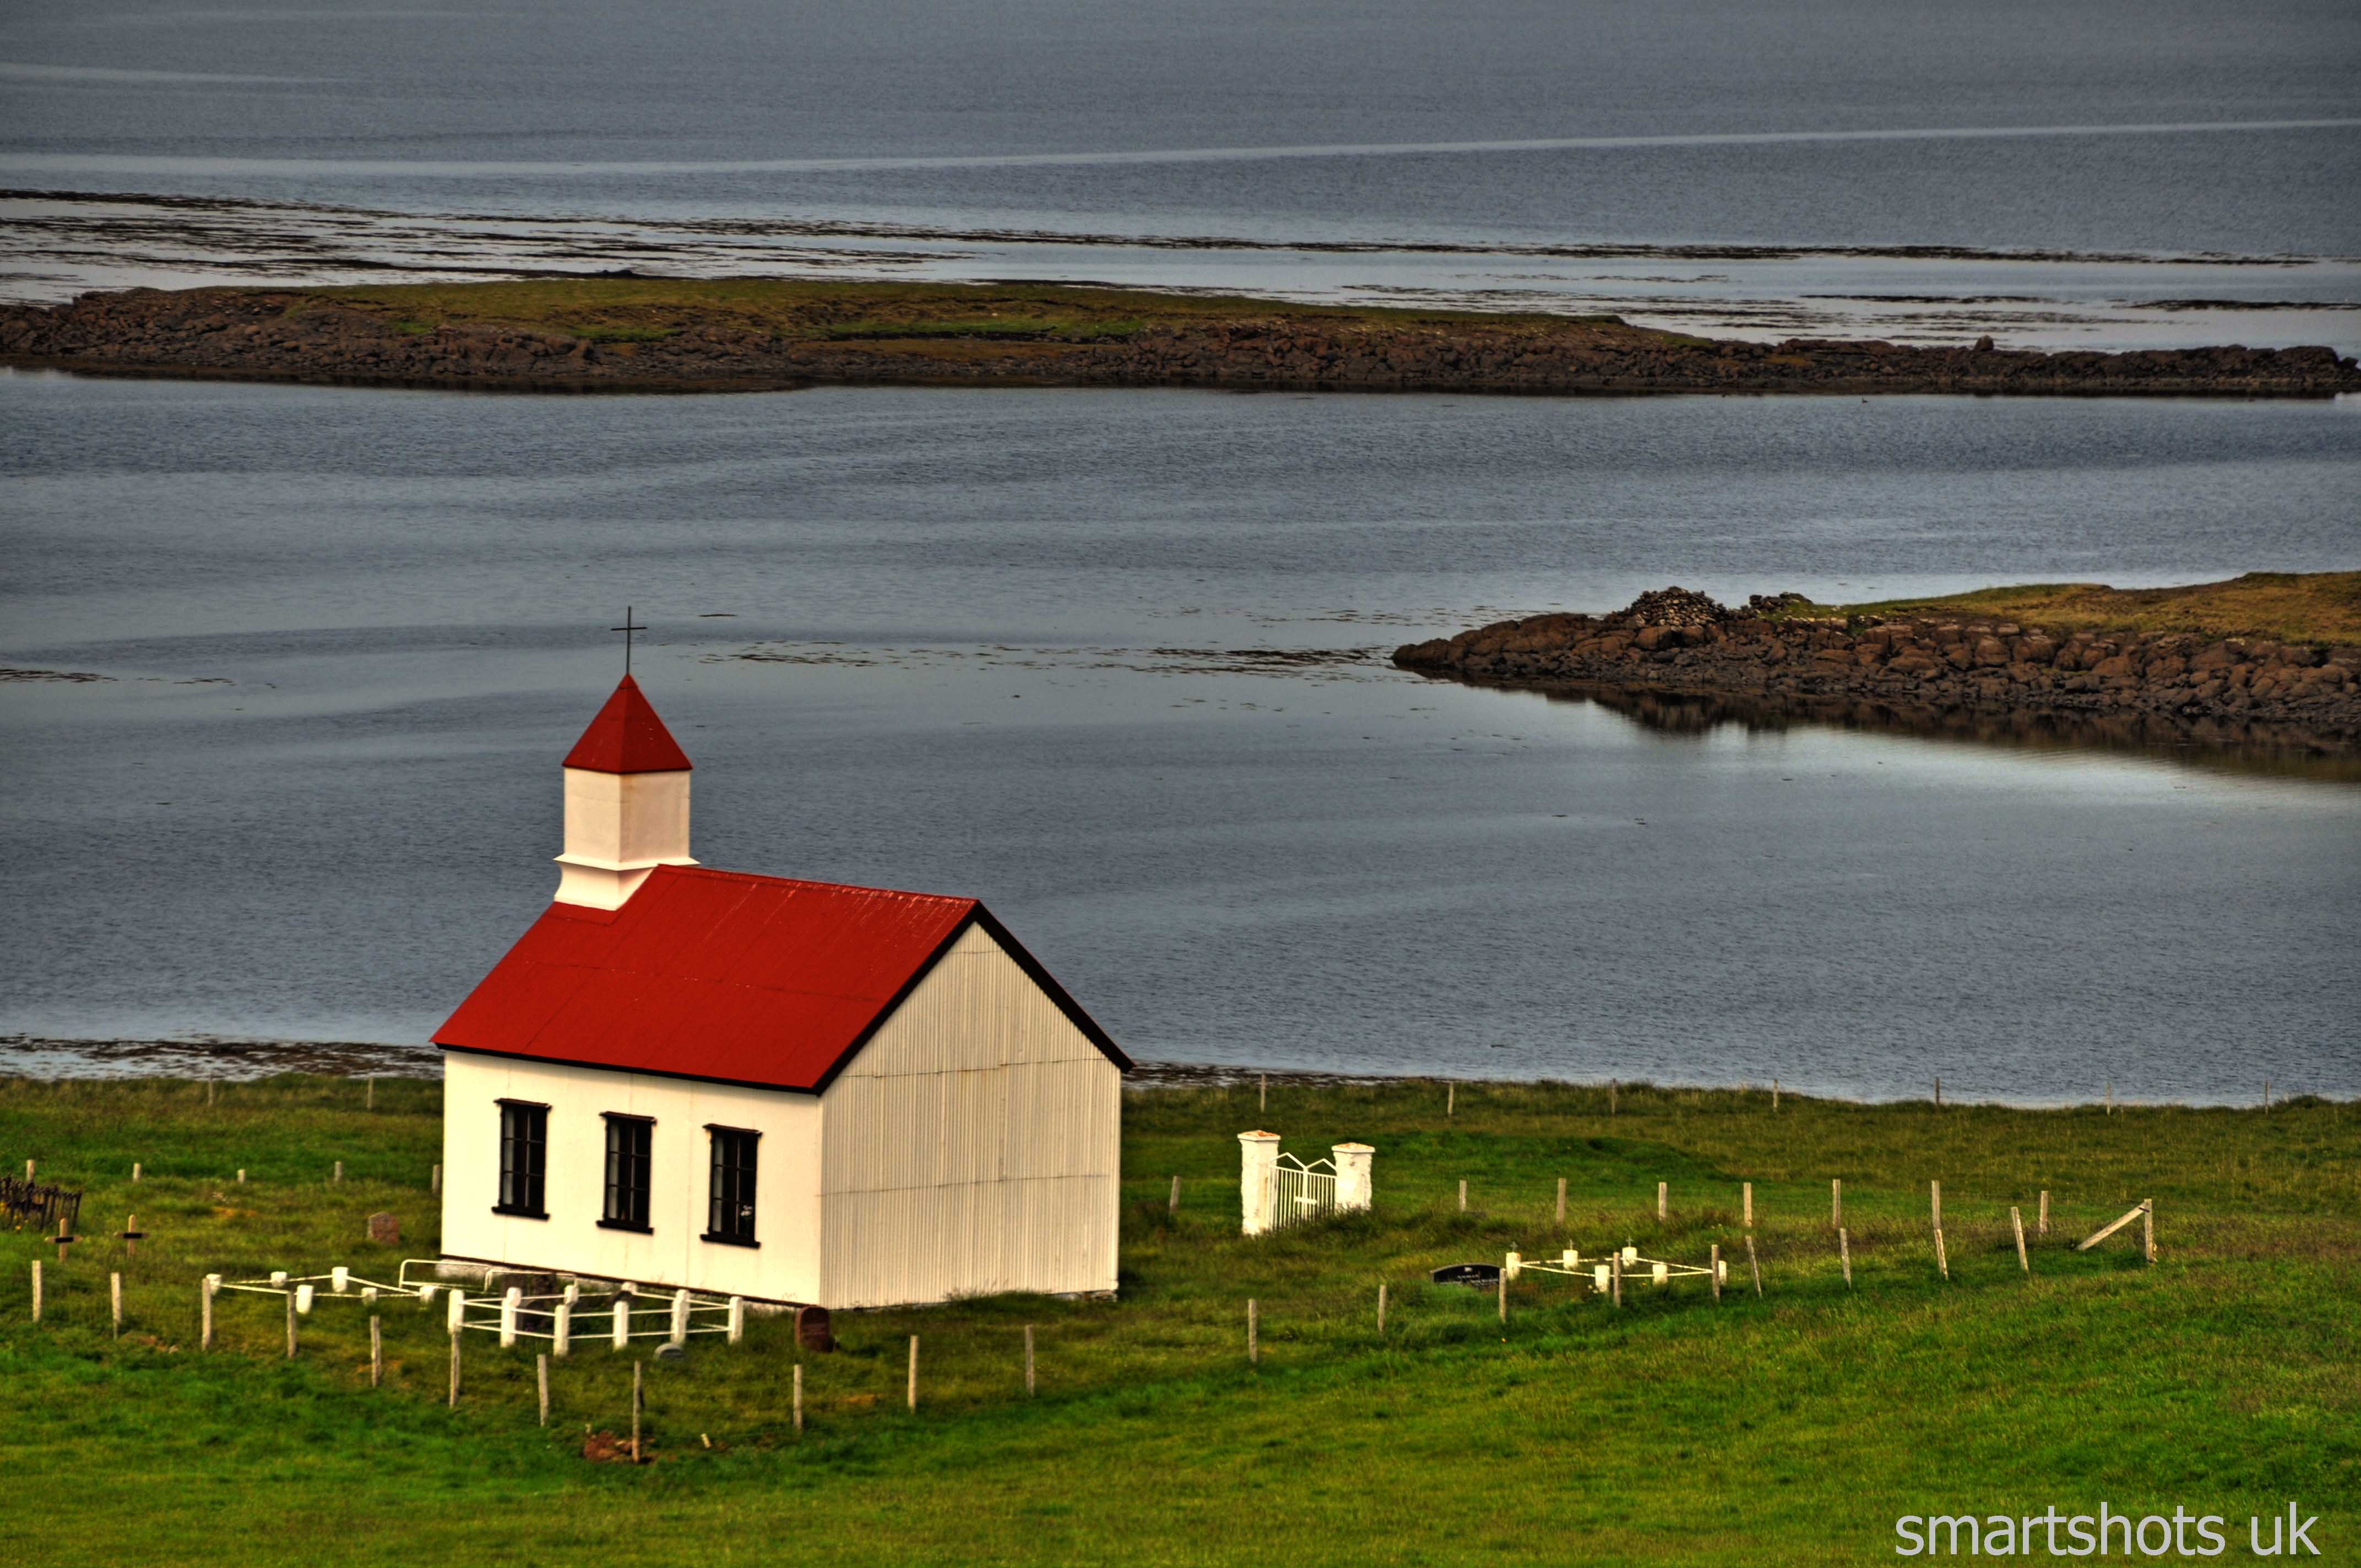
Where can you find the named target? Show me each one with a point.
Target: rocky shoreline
(305, 335)
(2229, 691)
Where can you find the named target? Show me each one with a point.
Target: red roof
(719, 975)
(628, 738)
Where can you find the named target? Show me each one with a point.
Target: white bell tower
(626, 803)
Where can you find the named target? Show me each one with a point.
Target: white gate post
(562, 1333)
(1258, 1179)
(680, 1317)
(1352, 1162)
(454, 1310)
(509, 1302)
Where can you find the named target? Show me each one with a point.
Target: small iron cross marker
(627, 629)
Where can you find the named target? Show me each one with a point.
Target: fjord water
(1989, 123)
(2119, 173)
(1021, 645)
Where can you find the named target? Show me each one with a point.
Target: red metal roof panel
(720, 975)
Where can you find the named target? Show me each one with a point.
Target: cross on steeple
(627, 629)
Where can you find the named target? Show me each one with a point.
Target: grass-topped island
(1792, 1426)
(2269, 658)
(687, 335)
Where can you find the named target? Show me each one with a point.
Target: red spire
(628, 738)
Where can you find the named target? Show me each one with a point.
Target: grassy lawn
(1789, 1429)
(2299, 607)
(614, 309)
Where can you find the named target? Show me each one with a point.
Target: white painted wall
(786, 1266)
(972, 1148)
(620, 826)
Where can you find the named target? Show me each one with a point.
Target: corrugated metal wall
(972, 1148)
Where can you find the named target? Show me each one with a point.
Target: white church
(793, 1091)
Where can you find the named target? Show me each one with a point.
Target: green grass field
(1792, 1429)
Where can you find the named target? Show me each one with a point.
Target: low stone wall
(2313, 690)
(276, 334)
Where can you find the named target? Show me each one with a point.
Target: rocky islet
(1679, 641)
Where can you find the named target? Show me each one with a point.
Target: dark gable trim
(978, 916)
(1055, 992)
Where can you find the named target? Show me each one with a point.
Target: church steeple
(626, 803)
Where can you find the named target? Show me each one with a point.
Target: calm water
(990, 642)
(1030, 133)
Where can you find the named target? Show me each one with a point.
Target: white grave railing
(617, 1314)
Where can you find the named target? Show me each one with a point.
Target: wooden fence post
(914, 1372)
(1263, 1093)
(1663, 1201)
(637, 1368)
(1754, 1263)
(1844, 1252)
(135, 1171)
(36, 1281)
(1504, 1297)
(800, 1399)
(376, 1351)
(1463, 1195)
(1746, 1202)
(1610, 1097)
(371, 1104)
(435, 1181)
(1774, 1094)
(1253, 1350)
(114, 1295)
(2016, 1223)
(205, 1312)
(454, 1401)
(241, 1176)
(340, 1172)
(2111, 1098)
(2042, 1226)
(1615, 1276)
(2147, 1229)
(1938, 1091)
(1935, 1204)
(1381, 1308)
(1713, 1270)
(541, 1376)
(291, 1323)
(1028, 1361)
(1451, 1100)
(1942, 1259)
(1561, 1199)
(1172, 1204)
(1836, 1201)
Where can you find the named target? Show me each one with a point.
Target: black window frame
(733, 1173)
(524, 1161)
(620, 1161)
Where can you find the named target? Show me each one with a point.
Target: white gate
(1301, 1192)
(1276, 1190)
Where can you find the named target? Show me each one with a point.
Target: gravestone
(1477, 1275)
(384, 1230)
(812, 1329)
